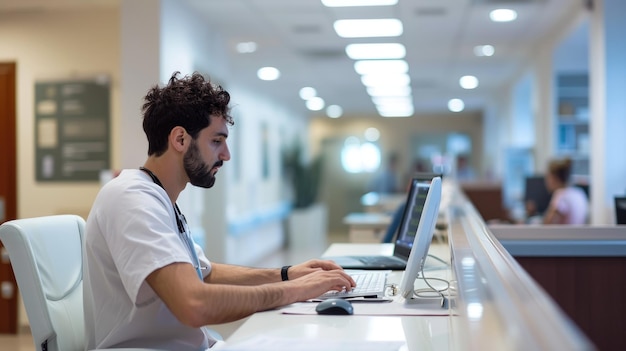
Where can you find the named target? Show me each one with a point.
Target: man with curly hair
(146, 283)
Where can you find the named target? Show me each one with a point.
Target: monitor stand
(428, 302)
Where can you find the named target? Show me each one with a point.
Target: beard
(199, 173)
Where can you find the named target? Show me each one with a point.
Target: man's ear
(179, 139)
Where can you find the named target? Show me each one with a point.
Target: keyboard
(368, 283)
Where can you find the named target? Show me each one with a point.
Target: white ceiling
(297, 37)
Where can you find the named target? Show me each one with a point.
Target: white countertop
(413, 332)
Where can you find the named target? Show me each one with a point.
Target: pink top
(572, 204)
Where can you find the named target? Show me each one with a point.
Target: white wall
(139, 66)
(58, 45)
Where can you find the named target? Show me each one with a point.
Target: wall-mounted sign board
(72, 129)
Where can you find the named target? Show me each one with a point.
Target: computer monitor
(620, 210)
(429, 196)
(411, 212)
(536, 191)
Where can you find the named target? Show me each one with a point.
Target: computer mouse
(334, 307)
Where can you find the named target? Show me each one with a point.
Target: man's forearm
(232, 274)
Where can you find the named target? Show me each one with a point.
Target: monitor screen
(620, 210)
(420, 183)
(413, 213)
(536, 191)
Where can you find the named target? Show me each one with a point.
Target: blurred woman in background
(569, 204)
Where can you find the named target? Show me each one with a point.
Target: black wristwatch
(283, 273)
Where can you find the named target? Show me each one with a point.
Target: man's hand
(319, 282)
(311, 266)
(315, 265)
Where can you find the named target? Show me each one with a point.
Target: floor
(24, 342)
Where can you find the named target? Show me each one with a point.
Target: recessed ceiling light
(372, 134)
(468, 82)
(246, 47)
(503, 15)
(346, 3)
(456, 105)
(381, 66)
(307, 93)
(368, 28)
(484, 50)
(268, 73)
(334, 111)
(315, 103)
(376, 51)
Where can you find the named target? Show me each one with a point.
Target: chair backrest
(46, 255)
(620, 210)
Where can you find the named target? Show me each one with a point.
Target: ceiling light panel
(383, 80)
(381, 66)
(268, 73)
(391, 101)
(376, 51)
(503, 15)
(368, 28)
(389, 91)
(350, 3)
(400, 111)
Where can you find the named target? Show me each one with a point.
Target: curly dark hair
(188, 102)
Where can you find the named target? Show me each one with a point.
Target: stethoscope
(183, 229)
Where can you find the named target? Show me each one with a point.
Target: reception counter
(582, 268)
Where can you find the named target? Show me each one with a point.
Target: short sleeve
(140, 229)
(204, 261)
(562, 204)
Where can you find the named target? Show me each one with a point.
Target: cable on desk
(427, 292)
(437, 258)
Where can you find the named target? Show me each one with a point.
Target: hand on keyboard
(368, 283)
(318, 282)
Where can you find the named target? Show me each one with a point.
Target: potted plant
(307, 221)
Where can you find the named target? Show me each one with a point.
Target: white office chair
(46, 255)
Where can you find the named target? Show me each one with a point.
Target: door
(8, 193)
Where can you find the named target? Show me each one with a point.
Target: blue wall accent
(247, 223)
